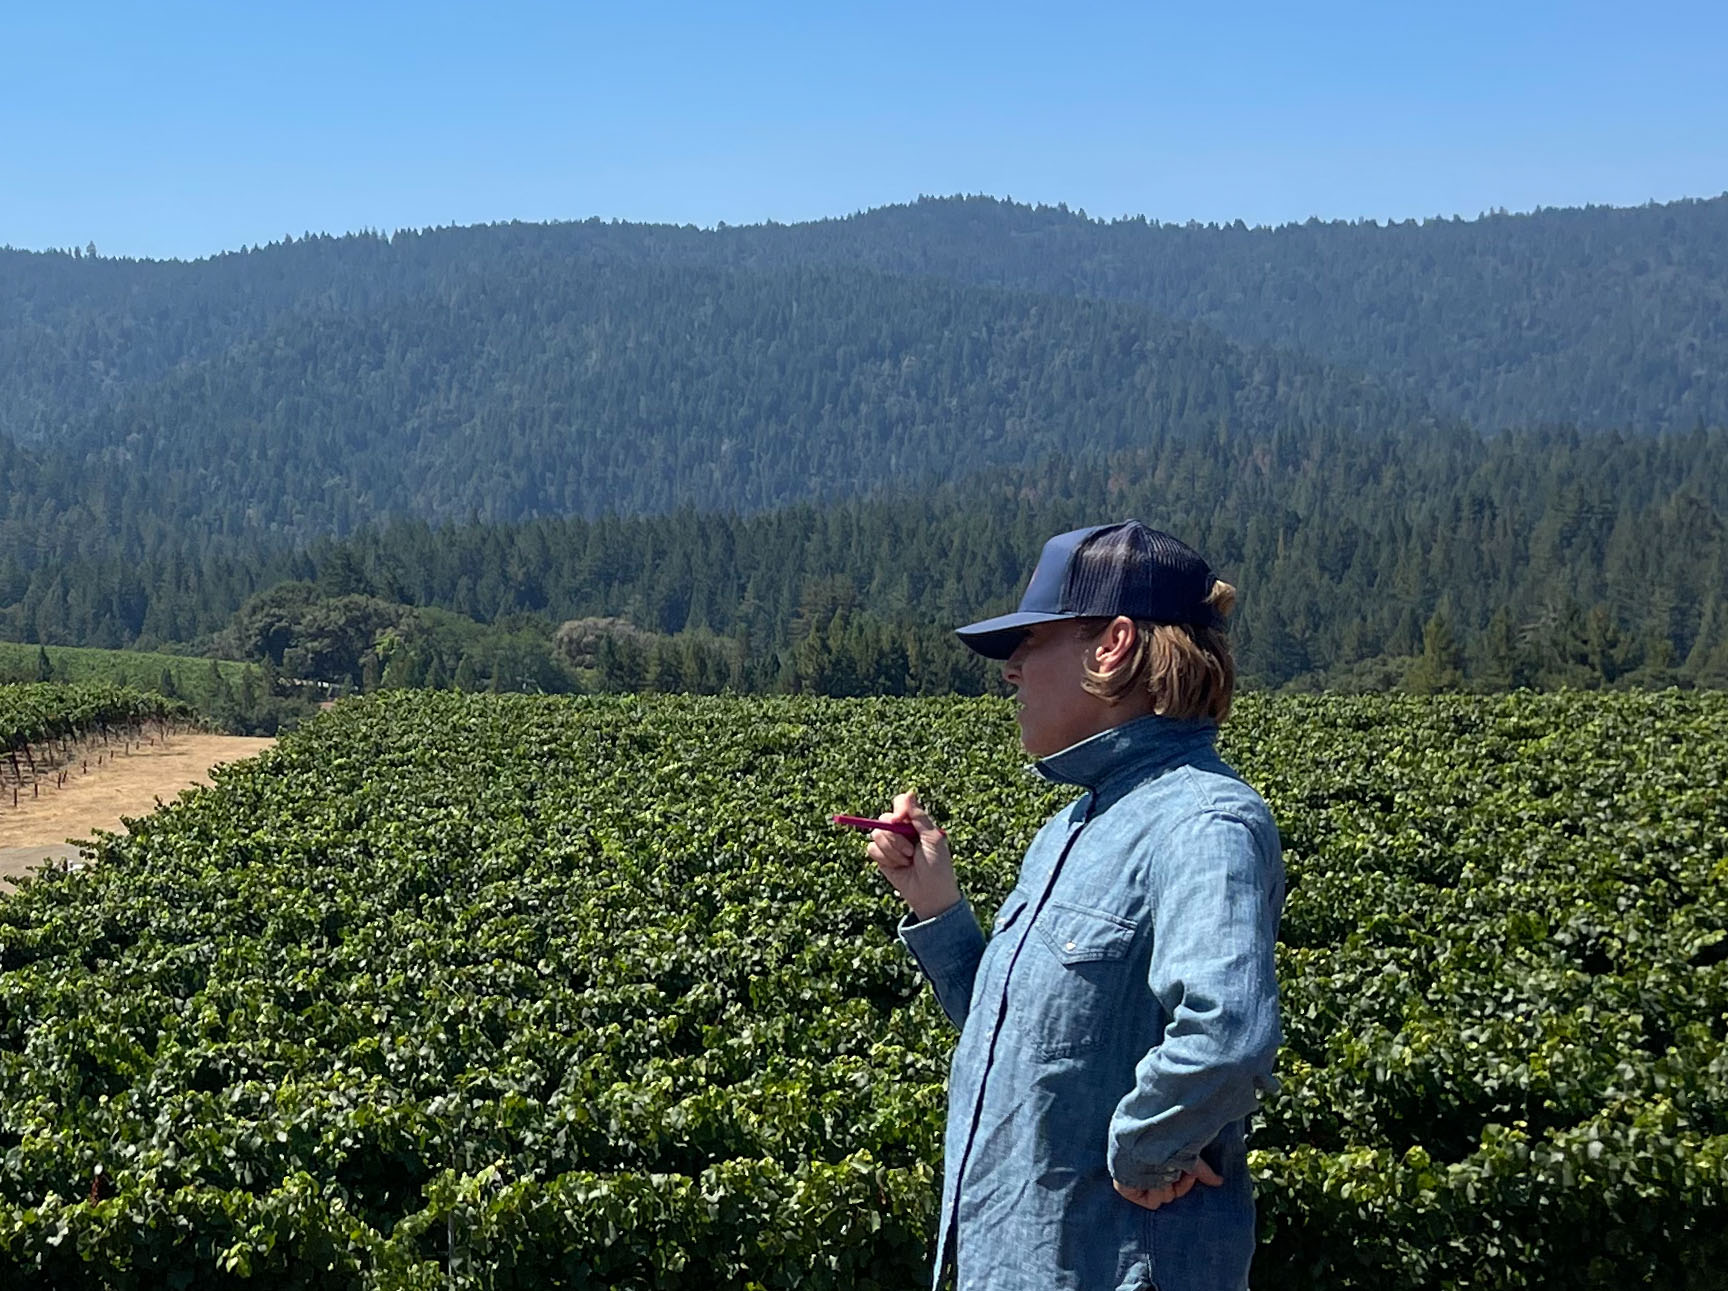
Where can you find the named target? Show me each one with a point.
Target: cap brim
(996, 638)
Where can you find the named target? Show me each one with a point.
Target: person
(1121, 1022)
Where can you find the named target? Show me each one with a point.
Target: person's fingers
(890, 839)
(1153, 1198)
(1150, 1198)
(908, 808)
(897, 848)
(1139, 1196)
(888, 860)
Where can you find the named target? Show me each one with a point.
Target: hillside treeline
(793, 457)
(567, 387)
(1600, 317)
(1540, 558)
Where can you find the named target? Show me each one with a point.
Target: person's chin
(1035, 744)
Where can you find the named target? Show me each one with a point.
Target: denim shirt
(1120, 1023)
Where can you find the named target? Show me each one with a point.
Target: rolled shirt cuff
(947, 948)
(1156, 1176)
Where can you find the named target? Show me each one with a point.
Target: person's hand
(921, 869)
(1152, 1198)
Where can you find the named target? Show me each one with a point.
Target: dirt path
(128, 785)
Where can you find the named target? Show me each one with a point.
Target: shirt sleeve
(1214, 941)
(947, 948)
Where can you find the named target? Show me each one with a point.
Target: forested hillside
(792, 457)
(583, 389)
(1538, 558)
(1610, 557)
(1600, 317)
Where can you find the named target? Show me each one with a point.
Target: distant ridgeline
(440, 447)
(569, 387)
(1599, 317)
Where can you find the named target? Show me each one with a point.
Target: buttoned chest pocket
(1077, 976)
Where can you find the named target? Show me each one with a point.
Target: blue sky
(171, 129)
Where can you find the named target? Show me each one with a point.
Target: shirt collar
(1142, 747)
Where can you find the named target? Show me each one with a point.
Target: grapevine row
(512, 991)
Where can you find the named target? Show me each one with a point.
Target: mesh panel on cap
(1141, 572)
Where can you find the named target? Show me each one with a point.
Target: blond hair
(1187, 669)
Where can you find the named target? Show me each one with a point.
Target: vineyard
(46, 728)
(137, 669)
(511, 992)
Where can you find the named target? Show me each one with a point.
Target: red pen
(901, 827)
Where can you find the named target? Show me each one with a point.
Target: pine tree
(620, 660)
(1440, 666)
(467, 677)
(664, 671)
(1499, 663)
(222, 704)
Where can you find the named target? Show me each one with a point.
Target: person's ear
(1115, 644)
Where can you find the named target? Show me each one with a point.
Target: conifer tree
(467, 677)
(1498, 663)
(1440, 666)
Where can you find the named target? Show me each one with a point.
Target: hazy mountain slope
(545, 385)
(1600, 316)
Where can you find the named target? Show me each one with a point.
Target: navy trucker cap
(1100, 572)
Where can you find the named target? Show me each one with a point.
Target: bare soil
(124, 784)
